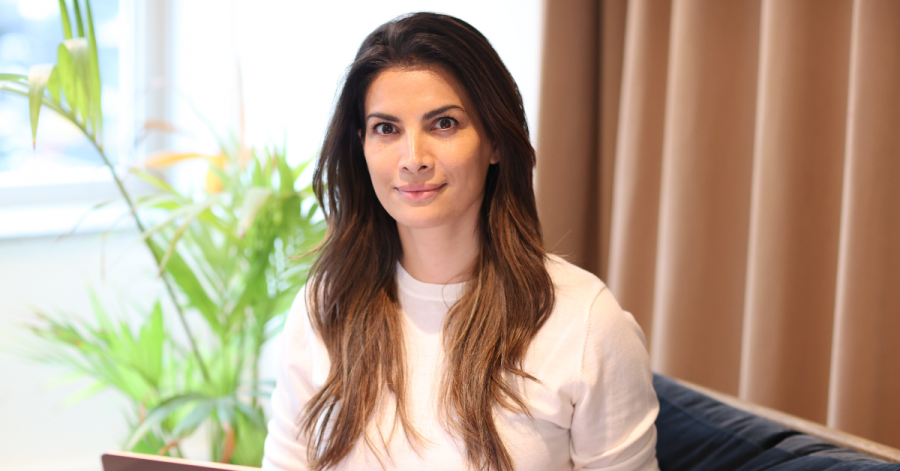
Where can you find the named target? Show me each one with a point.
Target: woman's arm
(616, 406)
(298, 356)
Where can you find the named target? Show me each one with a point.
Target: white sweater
(594, 407)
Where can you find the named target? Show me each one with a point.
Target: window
(49, 188)
(29, 34)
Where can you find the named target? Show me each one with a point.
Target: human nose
(417, 158)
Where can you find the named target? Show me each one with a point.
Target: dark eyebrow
(441, 110)
(383, 116)
(429, 115)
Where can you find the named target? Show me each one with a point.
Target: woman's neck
(439, 255)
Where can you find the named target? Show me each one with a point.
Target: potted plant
(228, 256)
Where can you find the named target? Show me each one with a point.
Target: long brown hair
(353, 291)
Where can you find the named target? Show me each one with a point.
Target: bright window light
(29, 34)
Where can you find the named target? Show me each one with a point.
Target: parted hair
(353, 299)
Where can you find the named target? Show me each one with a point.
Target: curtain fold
(704, 192)
(798, 156)
(612, 41)
(635, 202)
(571, 61)
(865, 354)
(732, 170)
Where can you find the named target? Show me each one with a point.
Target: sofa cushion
(697, 432)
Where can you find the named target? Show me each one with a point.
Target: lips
(419, 191)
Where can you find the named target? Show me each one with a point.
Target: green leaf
(64, 17)
(150, 444)
(38, 76)
(255, 416)
(15, 78)
(160, 413)
(210, 261)
(255, 198)
(94, 73)
(74, 64)
(189, 219)
(254, 288)
(68, 80)
(160, 201)
(214, 221)
(107, 354)
(53, 85)
(192, 288)
(249, 442)
(149, 178)
(266, 394)
(80, 52)
(286, 177)
(100, 312)
(87, 392)
(11, 87)
(225, 410)
(150, 346)
(172, 217)
(258, 178)
(78, 19)
(189, 423)
(268, 169)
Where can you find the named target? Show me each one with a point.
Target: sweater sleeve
(297, 353)
(615, 404)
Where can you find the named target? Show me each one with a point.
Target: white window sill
(62, 218)
(57, 206)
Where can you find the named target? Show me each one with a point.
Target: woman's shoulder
(585, 308)
(573, 285)
(588, 320)
(588, 339)
(575, 291)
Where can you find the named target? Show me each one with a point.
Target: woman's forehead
(410, 88)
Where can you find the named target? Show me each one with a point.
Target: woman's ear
(495, 155)
(359, 133)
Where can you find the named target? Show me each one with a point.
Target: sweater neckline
(449, 293)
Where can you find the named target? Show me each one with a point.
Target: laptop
(125, 461)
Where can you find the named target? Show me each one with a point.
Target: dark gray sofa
(698, 432)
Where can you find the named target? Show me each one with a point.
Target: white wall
(294, 54)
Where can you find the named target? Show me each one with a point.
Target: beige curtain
(732, 170)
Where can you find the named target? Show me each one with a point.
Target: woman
(435, 332)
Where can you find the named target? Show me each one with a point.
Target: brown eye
(384, 128)
(445, 123)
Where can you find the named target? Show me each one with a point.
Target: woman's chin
(422, 218)
(420, 223)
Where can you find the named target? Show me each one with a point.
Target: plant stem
(257, 352)
(140, 226)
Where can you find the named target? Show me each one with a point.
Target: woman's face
(425, 147)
